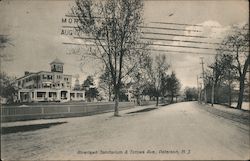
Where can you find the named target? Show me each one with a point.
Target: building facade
(47, 86)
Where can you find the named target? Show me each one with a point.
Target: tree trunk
(172, 98)
(240, 97)
(109, 93)
(116, 112)
(242, 82)
(157, 100)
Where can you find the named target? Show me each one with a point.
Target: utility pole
(203, 75)
(212, 93)
(198, 90)
(229, 90)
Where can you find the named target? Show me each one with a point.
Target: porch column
(30, 96)
(58, 95)
(19, 95)
(68, 95)
(35, 95)
(46, 95)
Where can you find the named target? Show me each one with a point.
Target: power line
(166, 28)
(168, 40)
(168, 45)
(185, 24)
(160, 33)
(163, 23)
(182, 46)
(159, 50)
(178, 40)
(182, 24)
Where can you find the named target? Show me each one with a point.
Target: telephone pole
(212, 93)
(198, 90)
(203, 75)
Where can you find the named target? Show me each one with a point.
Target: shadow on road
(15, 129)
(143, 110)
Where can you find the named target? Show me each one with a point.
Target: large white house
(47, 86)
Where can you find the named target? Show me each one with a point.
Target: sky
(34, 28)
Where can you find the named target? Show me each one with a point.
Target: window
(79, 95)
(41, 94)
(49, 77)
(44, 76)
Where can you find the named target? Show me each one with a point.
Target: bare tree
(113, 28)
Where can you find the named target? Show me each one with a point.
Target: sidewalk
(237, 115)
(56, 120)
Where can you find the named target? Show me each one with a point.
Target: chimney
(26, 73)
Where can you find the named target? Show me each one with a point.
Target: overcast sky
(35, 31)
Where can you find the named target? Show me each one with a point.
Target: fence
(43, 111)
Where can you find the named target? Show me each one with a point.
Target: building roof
(33, 73)
(57, 61)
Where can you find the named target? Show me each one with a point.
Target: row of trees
(113, 28)
(227, 76)
(151, 79)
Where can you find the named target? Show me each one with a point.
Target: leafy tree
(224, 73)
(156, 69)
(89, 81)
(7, 87)
(191, 93)
(237, 45)
(113, 28)
(172, 86)
(4, 41)
(140, 78)
(91, 91)
(105, 83)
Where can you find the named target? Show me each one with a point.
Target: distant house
(47, 86)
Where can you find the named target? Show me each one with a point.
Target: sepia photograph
(124, 80)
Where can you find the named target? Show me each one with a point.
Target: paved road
(178, 131)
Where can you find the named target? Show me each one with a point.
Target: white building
(47, 86)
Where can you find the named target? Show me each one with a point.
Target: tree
(237, 44)
(113, 28)
(105, 83)
(191, 93)
(156, 70)
(4, 41)
(224, 69)
(172, 86)
(140, 78)
(7, 87)
(91, 91)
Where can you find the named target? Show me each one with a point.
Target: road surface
(177, 131)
